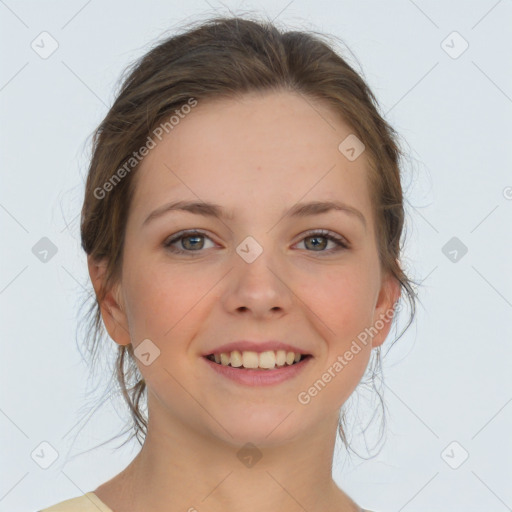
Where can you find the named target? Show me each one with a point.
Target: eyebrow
(218, 212)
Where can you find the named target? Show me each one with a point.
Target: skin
(257, 156)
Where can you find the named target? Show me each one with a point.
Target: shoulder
(89, 502)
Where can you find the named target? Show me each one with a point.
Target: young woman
(242, 220)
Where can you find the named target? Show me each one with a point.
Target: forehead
(277, 147)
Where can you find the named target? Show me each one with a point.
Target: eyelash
(341, 243)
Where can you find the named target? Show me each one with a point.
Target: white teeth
(236, 359)
(267, 360)
(250, 359)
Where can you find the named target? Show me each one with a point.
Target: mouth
(250, 360)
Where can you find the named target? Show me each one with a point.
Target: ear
(389, 293)
(112, 307)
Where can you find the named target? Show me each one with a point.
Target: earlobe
(384, 310)
(111, 305)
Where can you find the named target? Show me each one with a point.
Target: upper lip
(255, 346)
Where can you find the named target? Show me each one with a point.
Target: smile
(267, 360)
(253, 375)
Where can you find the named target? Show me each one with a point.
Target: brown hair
(221, 58)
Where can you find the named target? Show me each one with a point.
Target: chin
(261, 425)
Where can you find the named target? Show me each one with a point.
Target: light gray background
(448, 379)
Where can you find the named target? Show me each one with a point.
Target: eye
(193, 241)
(190, 242)
(315, 241)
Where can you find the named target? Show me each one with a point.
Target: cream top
(89, 502)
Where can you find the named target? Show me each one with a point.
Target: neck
(182, 469)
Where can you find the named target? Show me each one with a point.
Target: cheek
(342, 311)
(342, 303)
(341, 298)
(159, 298)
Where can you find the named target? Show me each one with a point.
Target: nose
(261, 287)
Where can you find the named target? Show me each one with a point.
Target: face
(256, 273)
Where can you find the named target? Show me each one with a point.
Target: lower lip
(250, 377)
